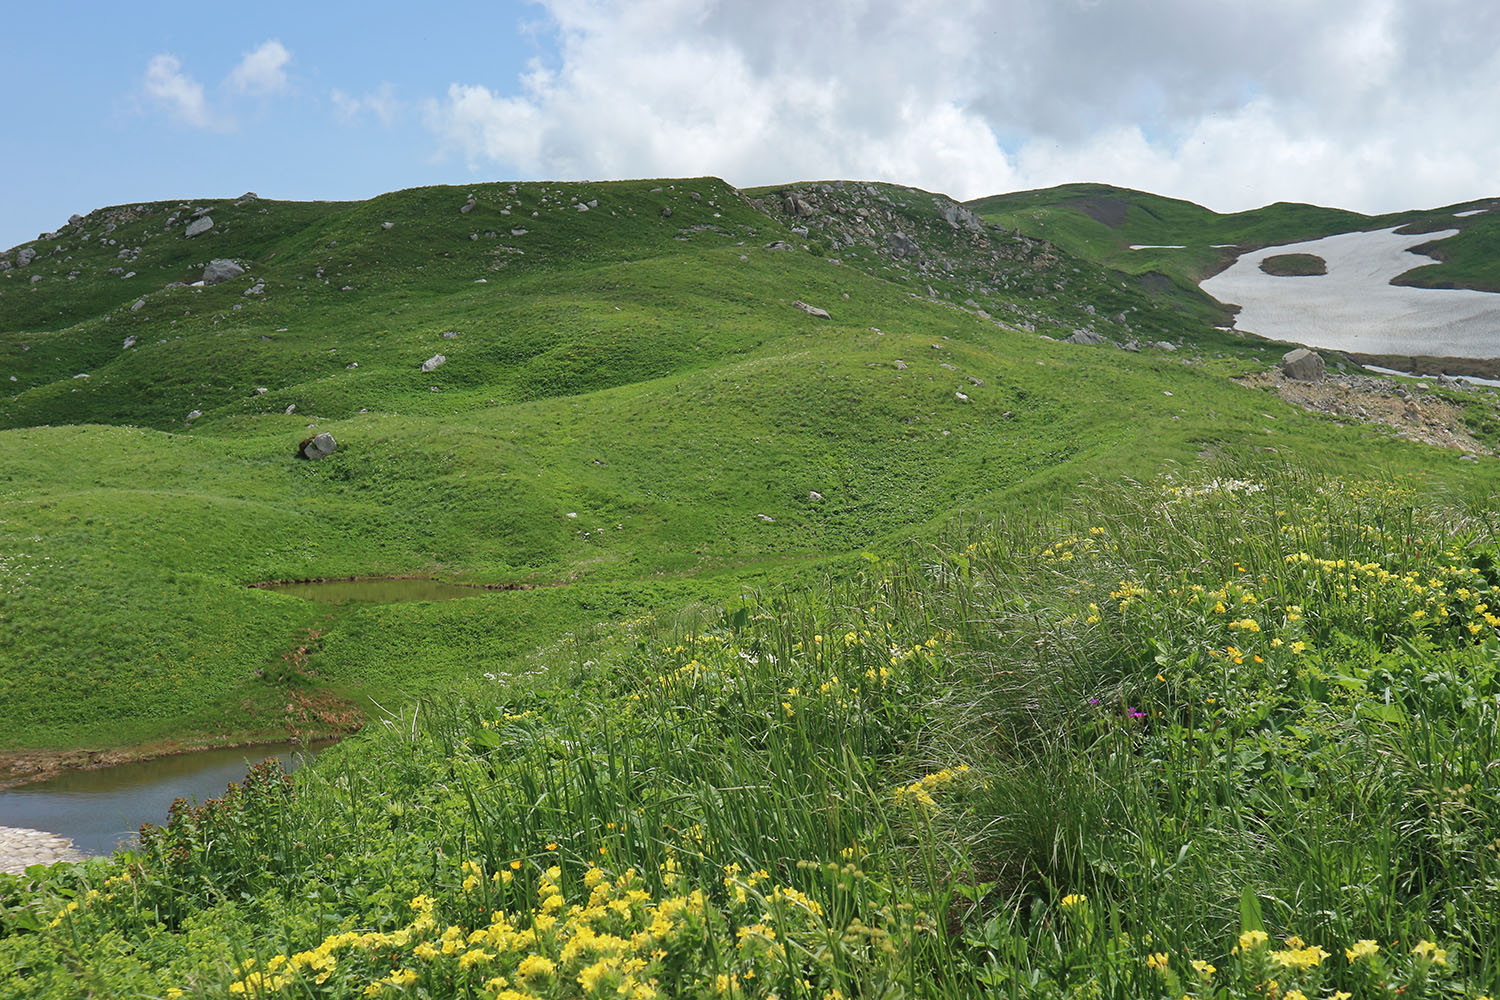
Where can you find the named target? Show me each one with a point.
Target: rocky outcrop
(1087, 337)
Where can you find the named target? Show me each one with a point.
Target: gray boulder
(259, 288)
(137, 305)
(779, 245)
(469, 205)
(318, 446)
(1302, 365)
(1088, 337)
(812, 310)
(199, 226)
(25, 256)
(221, 269)
(901, 245)
(433, 362)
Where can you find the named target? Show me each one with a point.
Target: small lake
(101, 810)
(375, 591)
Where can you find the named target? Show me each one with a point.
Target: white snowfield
(1157, 246)
(1472, 211)
(1354, 307)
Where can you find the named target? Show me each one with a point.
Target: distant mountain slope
(1101, 223)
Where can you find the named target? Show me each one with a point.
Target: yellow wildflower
(1362, 948)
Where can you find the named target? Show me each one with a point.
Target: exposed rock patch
(1415, 416)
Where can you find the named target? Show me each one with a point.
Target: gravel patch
(21, 848)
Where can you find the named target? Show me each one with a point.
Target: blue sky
(1375, 105)
(82, 131)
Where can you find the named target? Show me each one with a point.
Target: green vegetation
(1290, 265)
(909, 652)
(1184, 738)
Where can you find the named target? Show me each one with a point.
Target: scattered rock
(975, 380)
(137, 305)
(74, 219)
(1303, 365)
(960, 397)
(195, 414)
(129, 342)
(261, 390)
(1131, 345)
(1164, 345)
(814, 495)
(199, 226)
(351, 366)
(469, 205)
(221, 269)
(433, 362)
(901, 366)
(318, 446)
(1468, 458)
(812, 310)
(387, 225)
(246, 198)
(449, 334)
(666, 213)
(766, 518)
(779, 245)
(26, 255)
(290, 409)
(259, 288)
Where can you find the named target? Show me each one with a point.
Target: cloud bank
(1366, 104)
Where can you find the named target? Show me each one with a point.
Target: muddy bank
(23, 767)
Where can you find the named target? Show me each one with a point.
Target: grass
(626, 368)
(1184, 737)
(1289, 265)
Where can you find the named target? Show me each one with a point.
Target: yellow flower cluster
(919, 792)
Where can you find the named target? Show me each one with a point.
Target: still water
(101, 810)
(376, 591)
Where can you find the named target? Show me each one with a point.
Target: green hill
(854, 633)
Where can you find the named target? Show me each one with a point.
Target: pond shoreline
(26, 767)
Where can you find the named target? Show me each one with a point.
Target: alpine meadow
(856, 593)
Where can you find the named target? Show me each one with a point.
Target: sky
(1373, 105)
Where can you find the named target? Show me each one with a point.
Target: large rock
(221, 269)
(25, 256)
(433, 362)
(812, 310)
(1302, 365)
(318, 446)
(901, 245)
(199, 226)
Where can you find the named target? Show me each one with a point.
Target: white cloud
(180, 94)
(382, 103)
(1368, 104)
(262, 72)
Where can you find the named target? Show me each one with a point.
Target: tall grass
(1247, 720)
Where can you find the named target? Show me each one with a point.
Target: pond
(375, 590)
(101, 810)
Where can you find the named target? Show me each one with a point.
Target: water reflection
(101, 810)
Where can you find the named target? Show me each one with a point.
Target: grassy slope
(623, 366)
